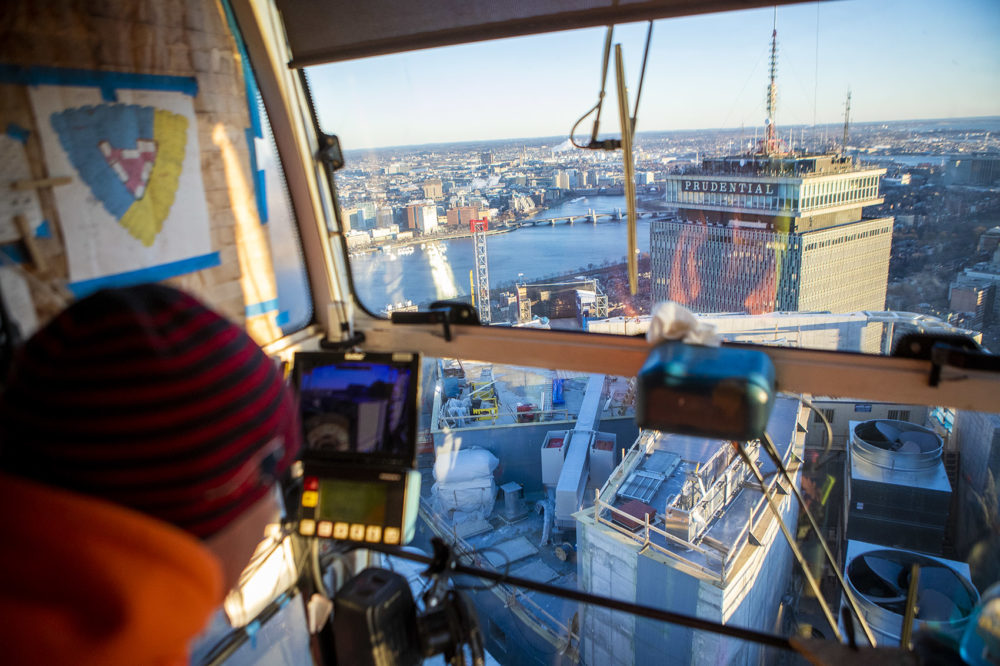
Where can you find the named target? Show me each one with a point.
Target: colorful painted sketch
(130, 157)
(136, 208)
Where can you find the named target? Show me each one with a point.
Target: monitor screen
(358, 408)
(353, 501)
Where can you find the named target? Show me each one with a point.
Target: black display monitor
(358, 408)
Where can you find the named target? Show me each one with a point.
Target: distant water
(537, 252)
(908, 160)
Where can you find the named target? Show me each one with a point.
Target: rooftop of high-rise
(797, 164)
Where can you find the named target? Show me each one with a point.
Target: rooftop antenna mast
(847, 120)
(770, 140)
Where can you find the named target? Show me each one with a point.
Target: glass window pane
(464, 132)
(558, 485)
(294, 301)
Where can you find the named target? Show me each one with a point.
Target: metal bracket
(329, 152)
(606, 144)
(445, 313)
(942, 355)
(352, 341)
(957, 351)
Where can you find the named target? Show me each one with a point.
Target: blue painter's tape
(108, 82)
(14, 253)
(14, 74)
(17, 132)
(151, 274)
(259, 184)
(248, 78)
(263, 308)
(260, 189)
(282, 318)
(251, 631)
(44, 230)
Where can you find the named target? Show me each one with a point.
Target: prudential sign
(726, 186)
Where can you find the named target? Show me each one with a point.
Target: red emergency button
(311, 483)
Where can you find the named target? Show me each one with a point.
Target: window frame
(339, 313)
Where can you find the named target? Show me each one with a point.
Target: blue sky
(901, 60)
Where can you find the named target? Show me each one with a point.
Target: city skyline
(833, 129)
(537, 86)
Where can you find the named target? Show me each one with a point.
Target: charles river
(432, 273)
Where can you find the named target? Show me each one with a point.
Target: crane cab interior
(199, 143)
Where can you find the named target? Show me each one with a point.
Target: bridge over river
(590, 217)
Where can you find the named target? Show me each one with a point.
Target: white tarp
(465, 488)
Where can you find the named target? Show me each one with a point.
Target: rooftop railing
(644, 537)
(517, 600)
(797, 170)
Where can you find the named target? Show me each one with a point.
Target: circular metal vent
(880, 580)
(896, 445)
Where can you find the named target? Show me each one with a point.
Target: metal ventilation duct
(880, 577)
(896, 445)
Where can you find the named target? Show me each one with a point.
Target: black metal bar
(235, 639)
(772, 451)
(752, 635)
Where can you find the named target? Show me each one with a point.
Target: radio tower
(482, 270)
(847, 120)
(770, 138)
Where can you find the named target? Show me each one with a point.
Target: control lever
(445, 313)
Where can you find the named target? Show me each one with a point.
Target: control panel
(359, 504)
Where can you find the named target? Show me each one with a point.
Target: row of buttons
(354, 531)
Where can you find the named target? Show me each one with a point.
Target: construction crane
(481, 296)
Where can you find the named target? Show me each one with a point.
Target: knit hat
(144, 397)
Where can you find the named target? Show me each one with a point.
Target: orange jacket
(83, 581)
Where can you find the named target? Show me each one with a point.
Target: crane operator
(141, 435)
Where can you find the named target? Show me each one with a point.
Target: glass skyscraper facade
(760, 234)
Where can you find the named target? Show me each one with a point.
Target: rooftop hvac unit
(899, 490)
(513, 507)
(879, 579)
(603, 458)
(553, 454)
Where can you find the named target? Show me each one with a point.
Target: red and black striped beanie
(144, 397)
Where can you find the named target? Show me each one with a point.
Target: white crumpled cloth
(671, 321)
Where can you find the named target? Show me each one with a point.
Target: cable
(232, 641)
(672, 617)
(788, 537)
(642, 75)
(604, 79)
(600, 97)
(772, 451)
(316, 570)
(482, 588)
(828, 442)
